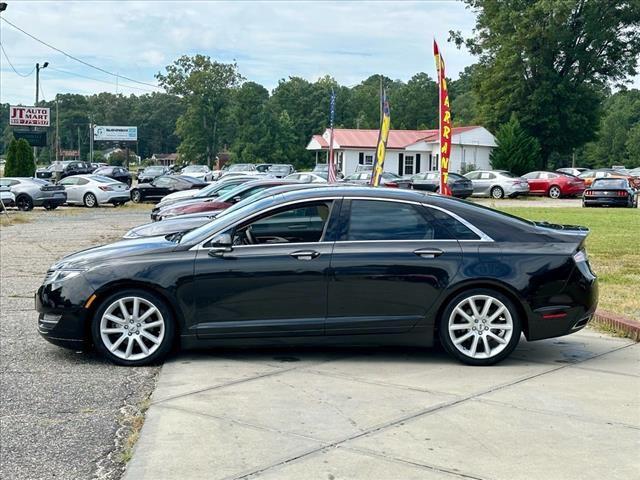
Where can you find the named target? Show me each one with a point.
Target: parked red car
(554, 184)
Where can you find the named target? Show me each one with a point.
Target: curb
(626, 326)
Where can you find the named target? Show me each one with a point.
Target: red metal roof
(361, 138)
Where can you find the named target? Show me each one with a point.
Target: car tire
(497, 329)
(555, 192)
(90, 200)
(124, 343)
(136, 196)
(497, 193)
(24, 203)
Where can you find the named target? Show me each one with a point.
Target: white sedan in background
(7, 197)
(95, 190)
(201, 172)
(308, 177)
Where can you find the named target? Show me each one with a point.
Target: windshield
(101, 179)
(507, 174)
(388, 176)
(240, 167)
(229, 218)
(279, 168)
(324, 175)
(216, 189)
(195, 168)
(153, 170)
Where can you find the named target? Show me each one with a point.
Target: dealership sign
(29, 116)
(115, 134)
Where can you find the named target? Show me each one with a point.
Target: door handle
(428, 252)
(305, 254)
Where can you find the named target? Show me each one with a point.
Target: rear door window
(382, 220)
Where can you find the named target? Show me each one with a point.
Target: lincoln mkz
(346, 264)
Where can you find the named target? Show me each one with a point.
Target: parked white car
(497, 184)
(95, 190)
(307, 177)
(8, 198)
(201, 172)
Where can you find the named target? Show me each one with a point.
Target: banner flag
(445, 123)
(331, 164)
(383, 136)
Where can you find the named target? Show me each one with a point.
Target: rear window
(101, 179)
(610, 183)
(446, 227)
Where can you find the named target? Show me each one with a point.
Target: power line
(14, 68)
(76, 58)
(98, 80)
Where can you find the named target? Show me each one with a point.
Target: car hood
(181, 194)
(168, 226)
(180, 202)
(114, 251)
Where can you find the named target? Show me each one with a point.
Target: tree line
(549, 82)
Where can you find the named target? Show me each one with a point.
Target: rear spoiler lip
(574, 230)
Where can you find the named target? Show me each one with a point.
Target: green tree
(206, 86)
(414, 105)
(633, 148)
(550, 62)
(517, 151)
(19, 159)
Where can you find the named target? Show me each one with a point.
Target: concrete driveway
(557, 409)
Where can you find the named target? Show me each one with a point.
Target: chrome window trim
(483, 236)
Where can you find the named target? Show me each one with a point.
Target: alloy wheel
(90, 200)
(135, 196)
(480, 326)
(554, 192)
(497, 192)
(132, 328)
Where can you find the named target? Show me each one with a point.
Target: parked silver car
(308, 177)
(34, 192)
(7, 199)
(95, 190)
(497, 184)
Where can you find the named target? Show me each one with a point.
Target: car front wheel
(480, 327)
(90, 200)
(136, 196)
(497, 192)
(133, 328)
(554, 192)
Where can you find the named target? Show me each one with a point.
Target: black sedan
(164, 185)
(152, 172)
(120, 174)
(610, 192)
(461, 187)
(329, 264)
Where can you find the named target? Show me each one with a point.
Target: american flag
(331, 164)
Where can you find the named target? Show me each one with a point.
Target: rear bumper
(565, 313)
(607, 201)
(515, 190)
(114, 197)
(51, 198)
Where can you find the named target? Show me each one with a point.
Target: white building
(408, 151)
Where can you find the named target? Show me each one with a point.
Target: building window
(408, 165)
(368, 159)
(436, 162)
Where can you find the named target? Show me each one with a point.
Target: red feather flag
(445, 123)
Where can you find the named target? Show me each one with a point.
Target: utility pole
(57, 133)
(38, 68)
(90, 140)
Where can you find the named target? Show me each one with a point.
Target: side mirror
(221, 244)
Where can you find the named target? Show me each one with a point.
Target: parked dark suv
(68, 168)
(120, 174)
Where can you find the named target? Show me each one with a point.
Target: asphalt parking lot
(560, 408)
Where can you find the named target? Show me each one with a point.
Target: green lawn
(613, 247)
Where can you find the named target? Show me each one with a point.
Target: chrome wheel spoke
(496, 338)
(487, 306)
(157, 323)
(461, 326)
(147, 314)
(474, 345)
(144, 348)
(474, 308)
(127, 353)
(117, 343)
(114, 319)
(497, 313)
(464, 337)
(109, 331)
(487, 348)
(123, 309)
(145, 334)
(136, 308)
(463, 314)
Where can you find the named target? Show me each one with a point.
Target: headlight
(55, 278)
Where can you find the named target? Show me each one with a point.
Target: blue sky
(269, 40)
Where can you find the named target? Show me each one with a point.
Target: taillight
(391, 185)
(580, 256)
(622, 193)
(105, 188)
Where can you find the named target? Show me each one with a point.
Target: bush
(517, 151)
(19, 159)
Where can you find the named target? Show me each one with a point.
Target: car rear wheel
(497, 192)
(136, 196)
(132, 328)
(90, 200)
(24, 203)
(480, 327)
(555, 192)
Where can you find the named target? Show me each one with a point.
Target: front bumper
(62, 318)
